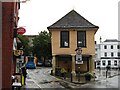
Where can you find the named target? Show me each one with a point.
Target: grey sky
(37, 15)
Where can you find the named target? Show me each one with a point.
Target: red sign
(21, 30)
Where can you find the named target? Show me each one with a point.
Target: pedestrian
(119, 67)
(24, 73)
(108, 67)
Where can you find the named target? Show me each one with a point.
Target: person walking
(24, 73)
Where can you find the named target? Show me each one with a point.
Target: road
(41, 78)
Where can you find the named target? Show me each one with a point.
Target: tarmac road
(41, 78)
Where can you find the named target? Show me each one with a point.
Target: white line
(37, 84)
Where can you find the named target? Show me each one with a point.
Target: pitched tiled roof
(72, 20)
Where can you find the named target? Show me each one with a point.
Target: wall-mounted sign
(79, 59)
(21, 30)
(79, 55)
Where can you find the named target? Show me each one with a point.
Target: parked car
(40, 63)
(48, 63)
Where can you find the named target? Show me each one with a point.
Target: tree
(25, 41)
(42, 45)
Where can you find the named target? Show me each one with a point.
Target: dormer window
(64, 39)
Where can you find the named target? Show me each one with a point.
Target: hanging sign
(17, 52)
(21, 30)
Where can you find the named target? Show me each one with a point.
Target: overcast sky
(37, 15)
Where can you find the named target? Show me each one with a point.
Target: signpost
(21, 30)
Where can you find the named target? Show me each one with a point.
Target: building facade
(31, 38)
(68, 33)
(108, 53)
(9, 20)
(97, 55)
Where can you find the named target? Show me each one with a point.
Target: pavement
(100, 81)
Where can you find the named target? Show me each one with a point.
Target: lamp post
(78, 59)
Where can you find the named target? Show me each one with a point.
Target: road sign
(21, 30)
(79, 56)
(79, 59)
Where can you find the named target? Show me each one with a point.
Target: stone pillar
(73, 68)
(53, 64)
(92, 65)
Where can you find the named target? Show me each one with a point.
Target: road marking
(37, 84)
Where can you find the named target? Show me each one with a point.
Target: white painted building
(108, 53)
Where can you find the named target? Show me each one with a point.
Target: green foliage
(25, 42)
(88, 76)
(42, 45)
(63, 70)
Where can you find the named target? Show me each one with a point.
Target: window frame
(115, 62)
(118, 46)
(83, 39)
(109, 62)
(112, 54)
(118, 54)
(103, 62)
(105, 54)
(111, 46)
(62, 40)
(98, 63)
(105, 46)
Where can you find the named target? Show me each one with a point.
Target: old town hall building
(68, 33)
